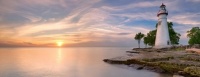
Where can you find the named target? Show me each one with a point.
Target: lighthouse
(162, 34)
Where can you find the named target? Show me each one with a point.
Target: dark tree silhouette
(138, 37)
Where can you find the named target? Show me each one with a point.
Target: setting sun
(59, 43)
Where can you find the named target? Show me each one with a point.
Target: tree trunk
(139, 43)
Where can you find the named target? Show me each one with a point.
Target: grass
(179, 49)
(158, 59)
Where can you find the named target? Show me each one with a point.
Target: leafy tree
(174, 36)
(145, 41)
(150, 38)
(194, 35)
(138, 37)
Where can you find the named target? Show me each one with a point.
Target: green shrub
(171, 67)
(194, 71)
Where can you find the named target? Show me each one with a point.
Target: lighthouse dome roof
(162, 10)
(162, 5)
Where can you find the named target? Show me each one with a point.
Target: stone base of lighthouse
(162, 46)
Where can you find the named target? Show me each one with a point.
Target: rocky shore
(176, 60)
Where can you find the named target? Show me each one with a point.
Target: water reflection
(59, 55)
(65, 62)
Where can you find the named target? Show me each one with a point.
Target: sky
(85, 23)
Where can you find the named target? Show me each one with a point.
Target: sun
(59, 43)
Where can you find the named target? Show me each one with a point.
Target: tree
(138, 37)
(145, 41)
(194, 35)
(150, 38)
(174, 36)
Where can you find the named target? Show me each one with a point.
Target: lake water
(66, 62)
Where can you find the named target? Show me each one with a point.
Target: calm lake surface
(66, 62)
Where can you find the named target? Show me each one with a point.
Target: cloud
(88, 31)
(32, 18)
(123, 33)
(143, 4)
(193, 0)
(186, 19)
(86, 22)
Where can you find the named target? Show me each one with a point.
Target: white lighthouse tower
(162, 35)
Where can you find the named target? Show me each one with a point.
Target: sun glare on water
(59, 43)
